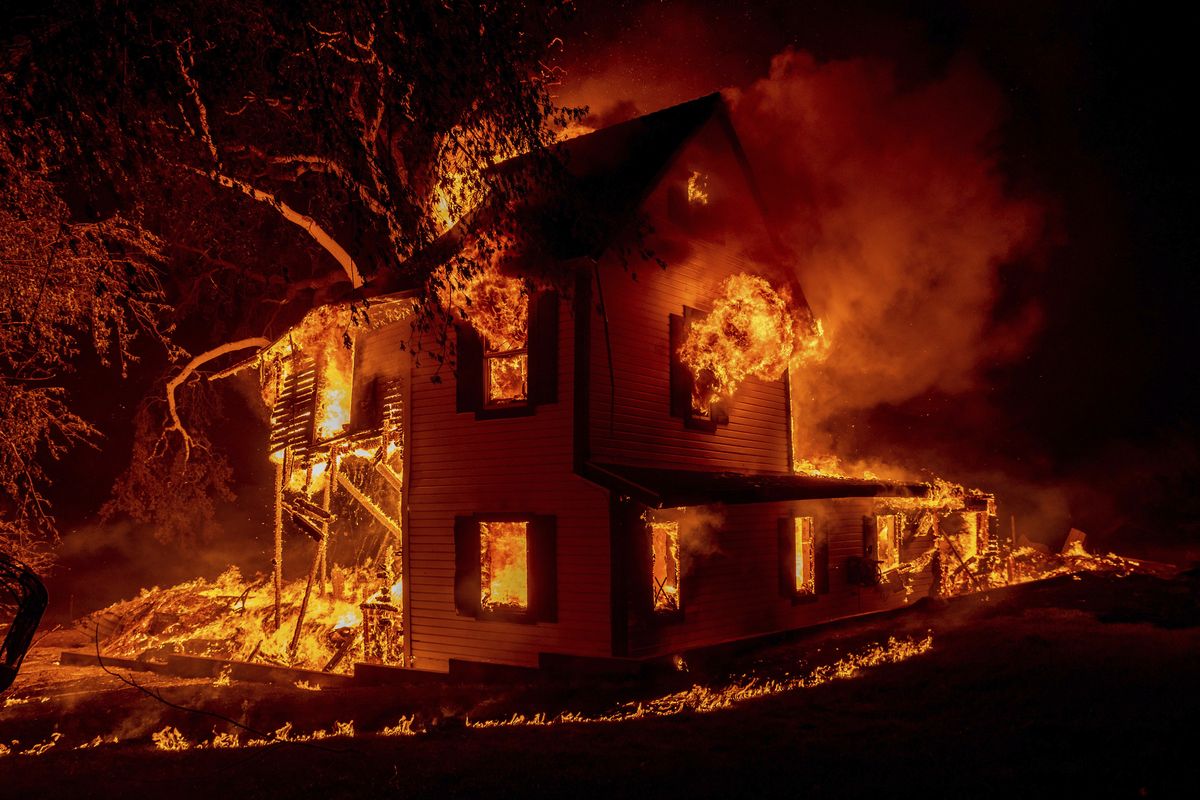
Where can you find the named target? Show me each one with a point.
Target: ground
(1081, 685)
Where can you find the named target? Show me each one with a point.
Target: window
(887, 542)
(664, 565)
(683, 382)
(803, 559)
(804, 563)
(496, 379)
(506, 373)
(505, 567)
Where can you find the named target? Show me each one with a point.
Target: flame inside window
(887, 542)
(664, 552)
(507, 378)
(805, 552)
(971, 540)
(697, 189)
(504, 566)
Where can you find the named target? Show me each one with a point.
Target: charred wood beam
(312, 575)
(341, 653)
(297, 504)
(390, 475)
(306, 526)
(366, 502)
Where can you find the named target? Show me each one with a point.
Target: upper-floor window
(509, 375)
(506, 371)
(683, 381)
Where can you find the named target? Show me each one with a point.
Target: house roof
(673, 488)
(605, 176)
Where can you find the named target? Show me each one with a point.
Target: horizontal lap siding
(733, 591)
(461, 466)
(638, 428)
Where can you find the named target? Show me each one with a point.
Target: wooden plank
(375, 511)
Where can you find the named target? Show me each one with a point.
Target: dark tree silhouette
(276, 155)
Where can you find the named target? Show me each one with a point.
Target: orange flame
(504, 565)
(751, 332)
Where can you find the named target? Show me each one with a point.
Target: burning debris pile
(233, 618)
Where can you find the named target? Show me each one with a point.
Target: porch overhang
(673, 488)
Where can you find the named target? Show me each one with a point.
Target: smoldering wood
(312, 574)
(366, 502)
(341, 653)
(300, 503)
(390, 475)
(306, 526)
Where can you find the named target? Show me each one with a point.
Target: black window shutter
(466, 566)
(543, 348)
(821, 557)
(469, 370)
(787, 557)
(543, 569)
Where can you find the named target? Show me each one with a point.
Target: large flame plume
(753, 330)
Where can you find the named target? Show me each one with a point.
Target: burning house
(604, 473)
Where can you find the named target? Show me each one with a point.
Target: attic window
(664, 569)
(887, 542)
(697, 189)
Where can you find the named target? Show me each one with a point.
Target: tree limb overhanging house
(555, 492)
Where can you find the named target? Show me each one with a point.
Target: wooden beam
(382, 518)
(391, 476)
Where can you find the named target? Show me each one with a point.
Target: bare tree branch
(188, 370)
(307, 223)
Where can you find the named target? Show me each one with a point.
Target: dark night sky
(1100, 407)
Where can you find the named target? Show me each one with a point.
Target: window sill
(506, 412)
(518, 617)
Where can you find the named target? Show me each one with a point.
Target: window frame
(819, 568)
(657, 588)
(885, 568)
(490, 355)
(682, 382)
(540, 564)
(541, 368)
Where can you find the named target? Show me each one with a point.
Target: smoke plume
(899, 223)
